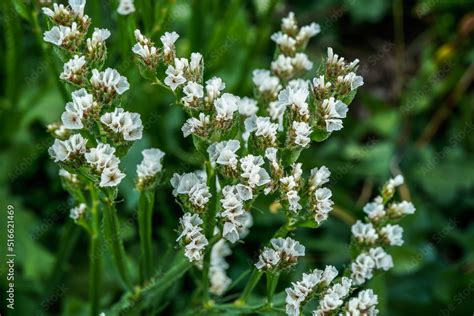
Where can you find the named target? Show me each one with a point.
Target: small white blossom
(168, 40)
(81, 105)
(73, 68)
(323, 204)
(225, 106)
(288, 24)
(301, 62)
(265, 82)
(77, 6)
(192, 185)
(58, 10)
(375, 210)
(362, 269)
(352, 80)
(296, 98)
(111, 177)
(364, 304)
(332, 112)
(320, 83)
(248, 107)
(285, 42)
(233, 213)
(268, 259)
(63, 150)
(319, 176)
(333, 298)
(308, 31)
(214, 86)
(253, 172)
(364, 233)
(263, 127)
(298, 84)
(126, 7)
(99, 36)
(128, 124)
(224, 153)
(109, 80)
(302, 132)
(175, 77)
(195, 63)
(194, 240)
(283, 66)
(78, 211)
(382, 259)
(59, 35)
(102, 157)
(194, 125)
(151, 163)
(193, 93)
(402, 208)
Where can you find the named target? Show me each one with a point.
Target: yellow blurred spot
(275, 207)
(445, 52)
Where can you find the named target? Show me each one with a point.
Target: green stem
(272, 281)
(210, 223)
(95, 260)
(114, 241)
(145, 213)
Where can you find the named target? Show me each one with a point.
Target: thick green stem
(272, 281)
(114, 241)
(145, 213)
(210, 223)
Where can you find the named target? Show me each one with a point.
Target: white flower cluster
(181, 70)
(290, 186)
(219, 281)
(263, 130)
(366, 263)
(73, 70)
(224, 154)
(364, 304)
(109, 81)
(77, 111)
(77, 212)
(253, 174)
(282, 254)
(103, 161)
(70, 149)
(302, 290)
(145, 49)
(334, 297)
(192, 187)
(320, 196)
(126, 124)
(192, 237)
(235, 218)
(149, 168)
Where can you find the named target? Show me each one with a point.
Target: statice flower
(149, 168)
(126, 124)
(111, 177)
(68, 150)
(78, 110)
(282, 254)
(145, 49)
(392, 234)
(218, 279)
(248, 107)
(363, 266)
(175, 76)
(364, 233)
(375, 210)
(63, 36)
(332, 112)
(253, 172)
(169, 50)
(194, 92)
(74, 69)
(214, 86)
(301, 132)
(266, 84)
(397, 210)
(109, 81)
(102, 157)
(126, 7)
(296, 99)
(264, 130)
(233, 213)
(290, 187)
(334, 297)
(77, 212)
(192, 238)
(225, 106)
(224, 153)
(196, 126)
(96, 44)
(193, 187)
(364, 304)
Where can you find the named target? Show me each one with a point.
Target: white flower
(144, 51)
(268, 259)
(393, 234)
(285, 42)
(364, 304)
(289, 249)
(175, 77)
(302, 132)
(233, 213)
(302, 62)
(99, 36)
(102, 157)
(300, 290)
(248, 107)
(214, 86)
(194, 240)
(63, 150)
(193, 186)
(78, 6)
(59, 34)
(224, 153)
(402, 208)
(111, 177)
(364, 233)
(271, 155)
(263, 127)
(395, 182)
(319, 176)
(334, 58)
(194, 92)
(362, 269)
(253, 172)
(58, 10)
(109, 80)
(330, 272)
(225, 106)
(352, 80)
(333, 298)
(193, 125)
(288, 24)
(299, 84)
(295, 98)
(72, 68)
(374, 210)
(68, 176)
(332, 112)
(151, 163)
(168, 39)
(199, 195)
(77, 211)
(320, 83)
(382, 259)
(323, 204)
(308, 31)
(283, 66)
(265, 82)
(126, 7)
(195, 63)
(123, 122)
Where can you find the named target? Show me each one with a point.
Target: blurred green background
(414, 116)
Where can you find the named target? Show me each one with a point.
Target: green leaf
(21, 9)
(320, 135)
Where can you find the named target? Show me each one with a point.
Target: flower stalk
(145, 214)
(95, 259)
